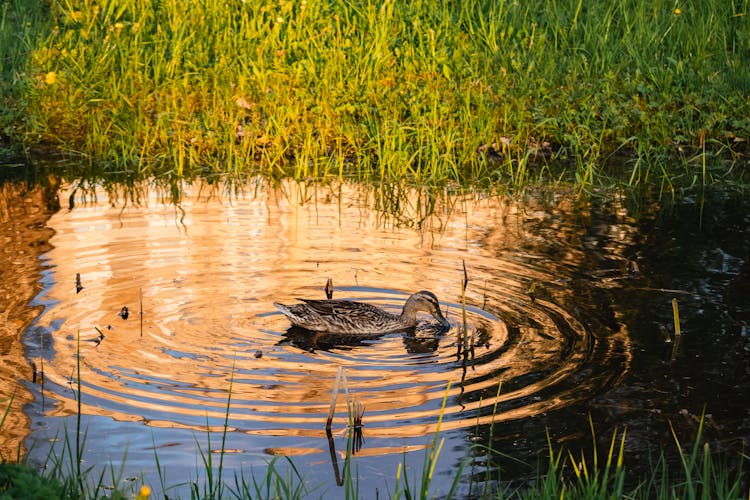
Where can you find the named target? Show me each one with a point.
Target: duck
(358, 318)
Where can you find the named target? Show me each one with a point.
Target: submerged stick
(358, 411)
(334, 458)
(464, 285)
(676, 316)
(99, 339)
(346, 390)
(329, 289)
(466, 276)
(334, 396)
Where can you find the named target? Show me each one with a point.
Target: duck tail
(284, 309)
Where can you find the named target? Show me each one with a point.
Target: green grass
(590, 475)
(588, 93)
(584, 475)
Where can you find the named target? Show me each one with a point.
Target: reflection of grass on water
(477, 91)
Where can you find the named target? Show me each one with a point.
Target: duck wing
(348, 317)
(341, 307)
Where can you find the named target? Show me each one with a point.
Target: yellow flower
(50, 78)
(677, 11)
(144, 493)
(119, 26)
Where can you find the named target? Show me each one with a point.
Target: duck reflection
(423, 339)
(356, 440)
(310, 341)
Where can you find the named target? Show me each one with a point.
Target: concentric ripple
(206, 275)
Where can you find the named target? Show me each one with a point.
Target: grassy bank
(435, 91)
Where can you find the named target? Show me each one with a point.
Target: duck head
(425, 301)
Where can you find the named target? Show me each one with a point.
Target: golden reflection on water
(208, 271)
(23, 237)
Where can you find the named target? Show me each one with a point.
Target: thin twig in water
(676, 315)
(464, 284)
(346, 390)
(334, 396)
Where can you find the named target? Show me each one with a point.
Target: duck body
(358, 318)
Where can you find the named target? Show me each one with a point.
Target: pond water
(567, 308)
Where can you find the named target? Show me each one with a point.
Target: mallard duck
(349, 317)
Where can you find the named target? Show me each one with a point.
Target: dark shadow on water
(695, 251)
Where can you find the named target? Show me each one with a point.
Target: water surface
(554, 330)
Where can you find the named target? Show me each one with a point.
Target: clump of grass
(593, 481)
(433, 91)
(20, 25)
(213, 486)
(64, 474)
(432, 453)
(23, 481)
(275, 483)
(701, 476)
(8, 406)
